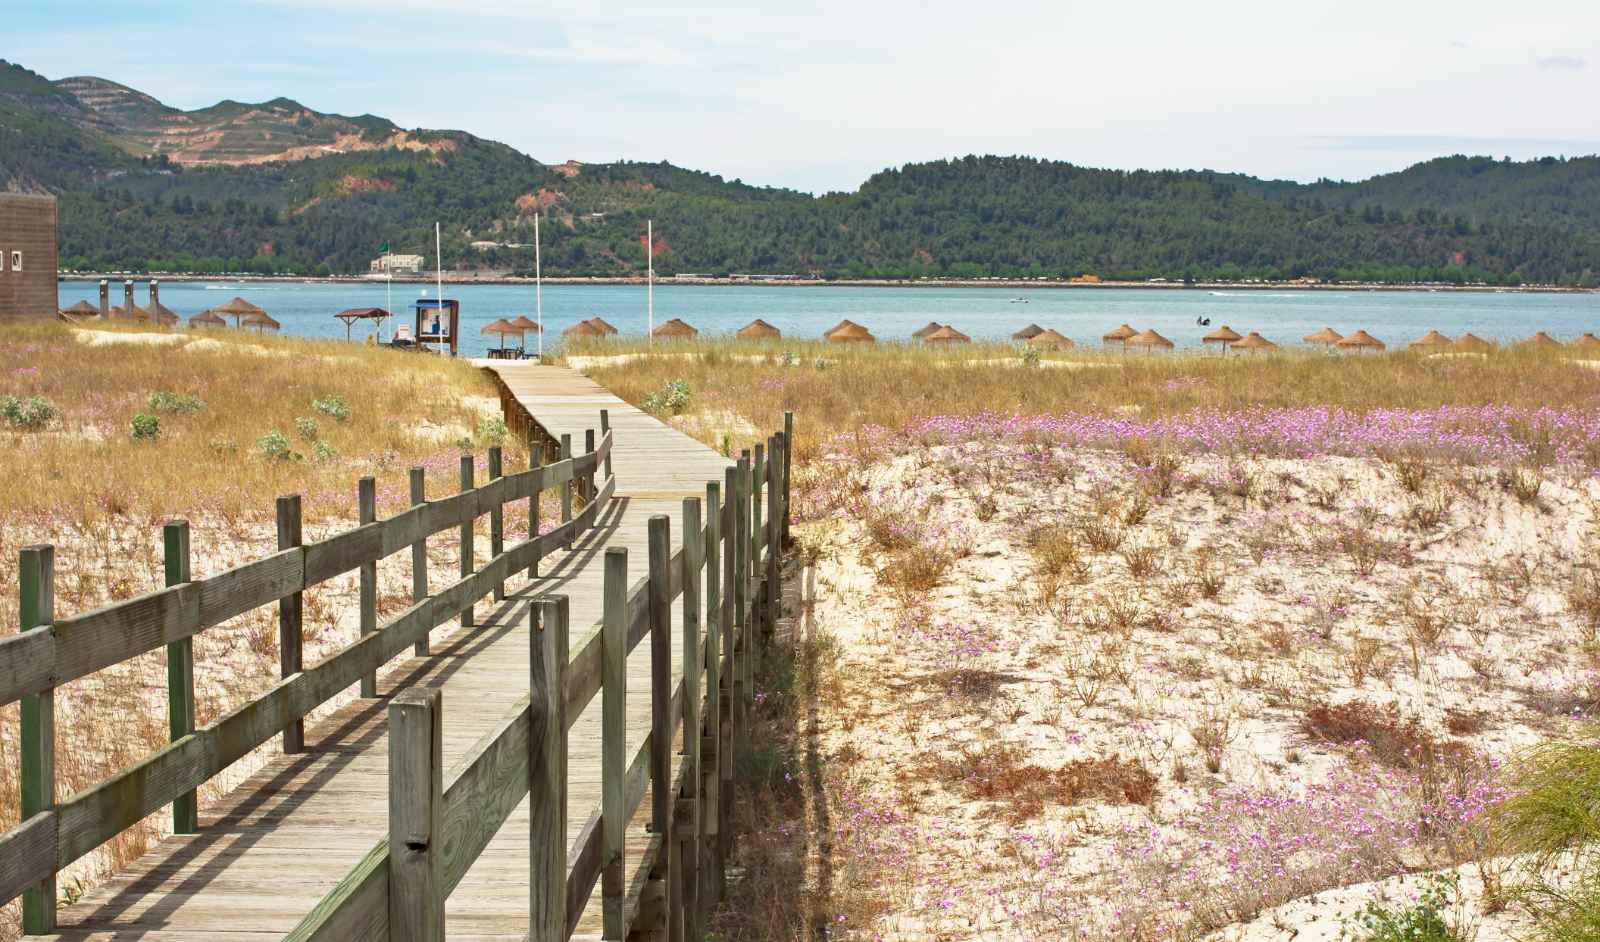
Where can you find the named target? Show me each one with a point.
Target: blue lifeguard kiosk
(438, 324)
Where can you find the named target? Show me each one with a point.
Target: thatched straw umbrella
(354, 314)
(919, 334)
(1431, 339)
(523, 323)
(207, 318)
(1327, 336)
(1472, 343)
(842, 325)
(1049, 340)
(1222, 336)
(674, 330)
(1028, 333)
(758, 329)
(1587, 342)
(80, 310)
(1540, 340)
(163, 315)
(502, 327)
(947, 334)
(1252, 341)
(238, 309)
(851, 333)
(605, 328)
(1360, 340)
(1120, 335)
(1150, 340)
(584, 329)
(261, 321)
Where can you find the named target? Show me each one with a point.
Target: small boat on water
(1019, 300)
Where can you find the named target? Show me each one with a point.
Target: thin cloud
(1562, 63)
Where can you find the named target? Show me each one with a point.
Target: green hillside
(275, 187)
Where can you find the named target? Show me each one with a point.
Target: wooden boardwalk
(284, 838)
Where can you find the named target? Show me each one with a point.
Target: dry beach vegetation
(1172, 647)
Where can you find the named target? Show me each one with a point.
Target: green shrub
(1549, 815)
(1426, 920)
(29, 413)
(331, 406)
(1030, 356)
(163, 401)
(146, 427)
(324, 453)
(491, 430)
(306, 427)
(275, 446)
(672, 397)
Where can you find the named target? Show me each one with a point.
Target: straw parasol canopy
(1150, 340)
(1473, 344)
(1222, 336)
(1122, 334)
(1028, 333)
(920, 334)
(354, 314)
(850, 333)
(261, 321)
(758, 329)
(1252, 341)
(1049, 339)
(1360, 340)
(1540, 339)
(502, 327)
(164, 315)
(1327, 336)
(207, 318)
(81, 309)
(238, 309)
(1587, 342)
(583, 329)
(674, 330)
(1431, 339)
(522, 322)
(847, 322)
(947, 334)
(604, 327)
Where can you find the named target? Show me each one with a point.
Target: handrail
(35, 661)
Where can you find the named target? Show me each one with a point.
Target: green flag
(384, 248)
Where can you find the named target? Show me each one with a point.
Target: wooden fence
(50, 651)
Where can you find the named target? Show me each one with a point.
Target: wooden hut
(1150, 340)
(1587, 342)
(1222, 337)
(207, 318)
(1049, 340)
(1327, 337)
(583, 330)
(842, 325)
(1432, 340)
(1472, 343)
(1119, 335)
(947, 334)
(1540, 341)
(851, 333)
(1028, 333)
(606, 329)
(163, 315)
(351, 315)
(674, 330)
(83, 310)
(758, 329)
(1360, 340)
(919, 334)
(1252, 342)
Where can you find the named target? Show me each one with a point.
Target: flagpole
(650, 283)
(538, 287)
(388, 298)
(438, 265)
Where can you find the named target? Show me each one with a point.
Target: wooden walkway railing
(731, 562)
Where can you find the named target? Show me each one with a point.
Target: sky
(817, 96)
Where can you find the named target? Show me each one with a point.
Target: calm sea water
(893, 313)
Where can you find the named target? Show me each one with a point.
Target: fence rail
(725, 573)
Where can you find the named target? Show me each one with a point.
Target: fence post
(467, 468)
(180, 669)
(711, 748)
(416, 801)
(694, 664)
(566, 487)
(788, 447)
(747, 584)
(661, 719)
(367, 505)
(774, 535)
(290, 612)
(613, 743)
(588, 479)
(758, 594)
(497, 520)
(419, 553)
(730, 658)
(37, 576)
(535, 459)
(547, 773)
(605, 426)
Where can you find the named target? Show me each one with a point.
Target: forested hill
(278, 187)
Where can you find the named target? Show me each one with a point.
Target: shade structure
(947, 334)
(502, 327)
(351, 315)
(261, 321)
(758, 329)
(81, 309)
(207, 318)
(1028, 333)
(1327, 336)
(1150, 340)
(1360, 340)
(842, 325)
(1252, 341)
(674, 330)
(1587, 342)
(1540, 340)
(1222, 336)
(1119, 335)
(920, 333)
(238, 309)
(1472, 343)
(851, 333)
(605, 328)
(1049, 340)
(523, 322)
(1431, 339)
(583, 329)
(163, 315)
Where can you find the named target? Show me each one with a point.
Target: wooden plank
(547, 776)
(465, 536)
(357, 909)
(484, 792)
(494, 496)
(712, 762)
(452, 511)
(583, 871)
(693, 664)
(290, 613)
(566, 486)
(416, 787)
(27, 664)
(406, 527)
(180, 670)
(583, 674)
(367, 510)
(27, 854)
(661, 794)
(36, 606)
(613, 744)
(113, 634)
(344, 552)
(419, 549)
(250, 586)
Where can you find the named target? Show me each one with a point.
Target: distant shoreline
(1010, 284)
